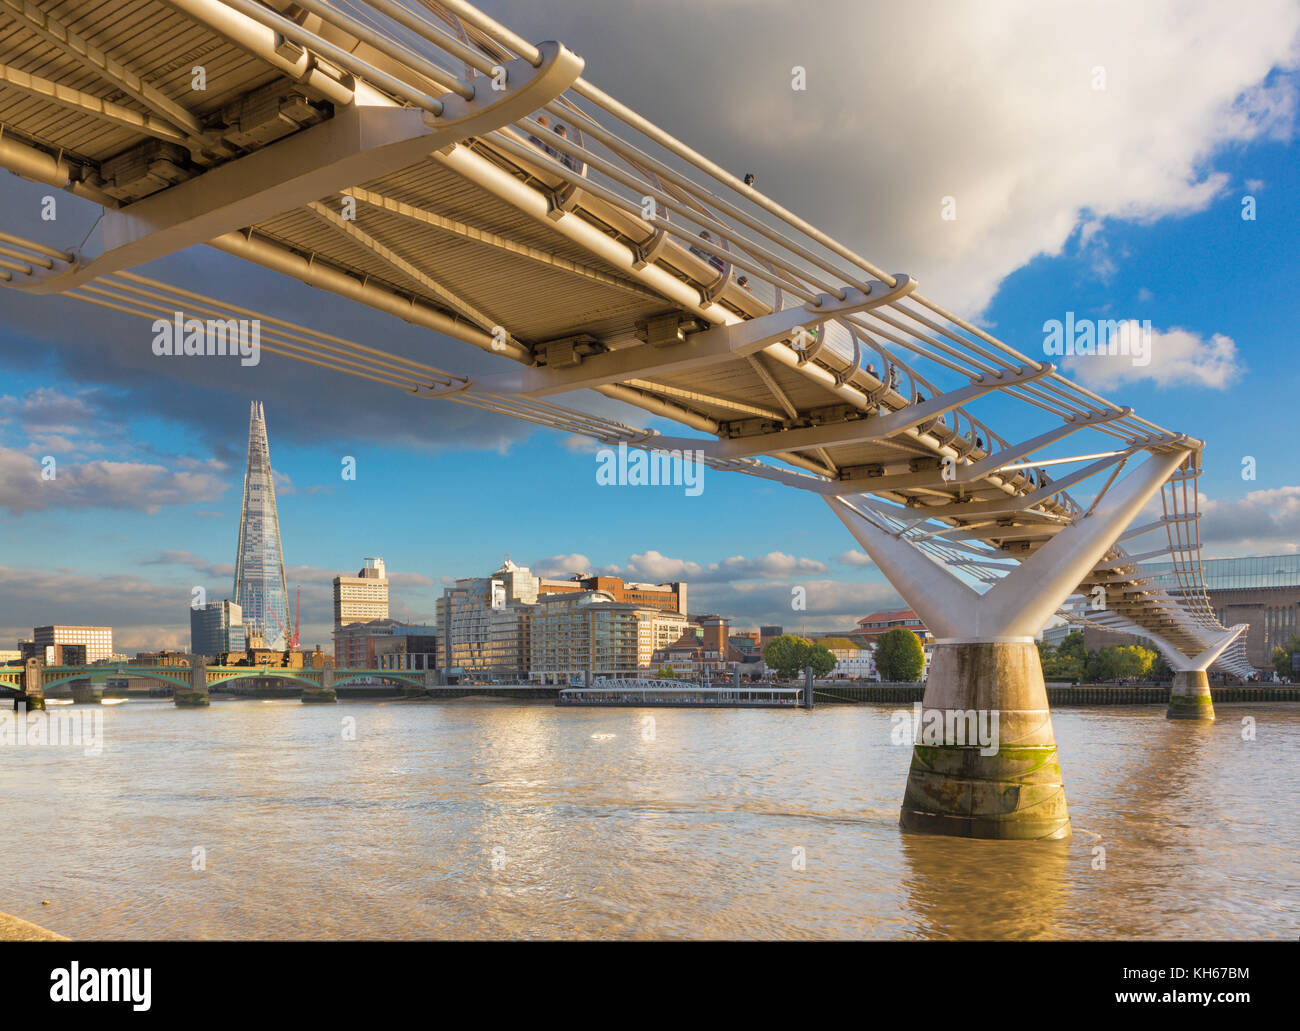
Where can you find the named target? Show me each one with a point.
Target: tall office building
(361, 598)
(97, 641)
(260, 589)
(485, 623)
(215, 628)
(589, 631)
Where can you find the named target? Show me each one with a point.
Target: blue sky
(156, 454)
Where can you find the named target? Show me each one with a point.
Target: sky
(1099, 160)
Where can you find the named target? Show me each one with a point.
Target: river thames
(491, 819)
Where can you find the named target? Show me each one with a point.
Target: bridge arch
(67, 678)
(412, 677)
(271, 672)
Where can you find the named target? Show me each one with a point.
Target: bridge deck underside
(151, 38)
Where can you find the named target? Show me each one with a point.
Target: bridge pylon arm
(994, 462)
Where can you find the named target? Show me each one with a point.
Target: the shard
(260, 587)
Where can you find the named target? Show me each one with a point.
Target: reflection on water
(495, 819)
(988, 889)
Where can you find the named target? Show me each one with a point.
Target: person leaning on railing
(545, 123)
(705, 256)
(565, 159)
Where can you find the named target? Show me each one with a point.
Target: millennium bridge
(423, 160)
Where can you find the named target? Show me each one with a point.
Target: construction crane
(291, 639)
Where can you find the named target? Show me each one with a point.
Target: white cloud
(657, 568)
(907, 105)
(100, 484)
(852, 557)
(562, 565)
(1263, 521)
(830, 604)
(774, 564)
(1175, 357)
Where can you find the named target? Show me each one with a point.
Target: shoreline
(16, 929)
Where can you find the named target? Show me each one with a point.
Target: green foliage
(1072, 647)
(1057, 666)
(1282, 656)
(821, 660)
(790, 655)
(785, 654)
(1161, 670)
(899, 656)
(1065, 661)
(1070, 660)
(1119, 663)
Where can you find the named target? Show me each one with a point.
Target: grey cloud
(99, 484)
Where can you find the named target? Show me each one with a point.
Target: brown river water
(491, 819)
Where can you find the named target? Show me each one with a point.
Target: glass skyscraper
(260, 589)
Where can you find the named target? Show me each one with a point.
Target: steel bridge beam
(855, 431)
(682, 352)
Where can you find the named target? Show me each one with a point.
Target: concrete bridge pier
(1189, 698)
(32, 686)
(984, 760)
(87, 692)
(325, 692)
(196, 695)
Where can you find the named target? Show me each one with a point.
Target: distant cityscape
(512, 625)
